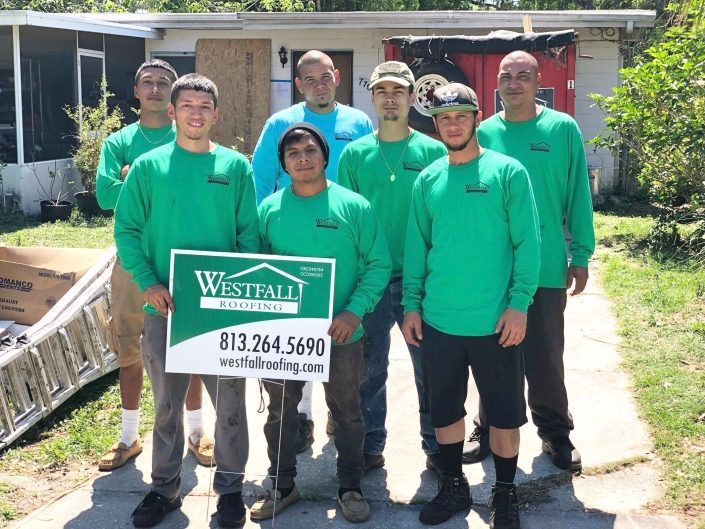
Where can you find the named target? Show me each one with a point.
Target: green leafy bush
(658, 114)
(94, 124)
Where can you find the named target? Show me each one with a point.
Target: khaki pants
(127, 320)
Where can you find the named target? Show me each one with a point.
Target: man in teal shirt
(291, 224)
(549, 144)
(317, 79)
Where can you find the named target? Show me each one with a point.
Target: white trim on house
(17, 72)
(627, 19)
(76, 22)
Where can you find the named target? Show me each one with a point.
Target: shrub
(94, 124)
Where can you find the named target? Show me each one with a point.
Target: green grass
(82, 429)
(660, 307)
(77, 232)
(7, 510)
(85, 426)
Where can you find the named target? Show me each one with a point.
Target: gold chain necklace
(392, 172)
(160, 140)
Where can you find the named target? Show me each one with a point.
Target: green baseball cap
(452, 98)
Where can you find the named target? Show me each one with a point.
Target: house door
(91, 68)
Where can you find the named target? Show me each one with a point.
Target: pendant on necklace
(392, 177)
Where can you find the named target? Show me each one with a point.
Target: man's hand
(123, 172)
(158, 297)
(343, 326)
(411, 328)
(512, 326)
(578, 274)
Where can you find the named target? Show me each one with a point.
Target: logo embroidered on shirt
(330, 224)
(541, 146)
(343, 136)
(477, 187)
(417, 167)
(221, 179)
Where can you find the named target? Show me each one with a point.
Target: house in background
(49, 61)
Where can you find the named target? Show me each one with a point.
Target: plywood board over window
(241, 70)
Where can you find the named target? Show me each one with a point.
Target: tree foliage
(220, 6)
(658, 114)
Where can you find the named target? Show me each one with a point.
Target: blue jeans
(373, 391)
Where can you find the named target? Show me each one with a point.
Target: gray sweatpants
(169, 389)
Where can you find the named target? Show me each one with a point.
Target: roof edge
(386, 19)
(77, 22)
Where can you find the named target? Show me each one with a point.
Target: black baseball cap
(315, 133)
(452, 98)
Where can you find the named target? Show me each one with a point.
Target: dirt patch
(28, 489)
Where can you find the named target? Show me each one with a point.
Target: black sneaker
(305, 433)
(478, 446)
(153, 508)
(433, 461)
(372, 461)
(231, 510)
(504, 508)
(453, 496)
(563, 454)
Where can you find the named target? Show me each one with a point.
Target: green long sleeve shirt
(176, 199)
(122, 148)
(551, 148)
(472, 245)
(363, 168)
(335, 223)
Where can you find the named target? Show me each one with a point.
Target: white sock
(130, 426)
(195, 424)
(306, 398)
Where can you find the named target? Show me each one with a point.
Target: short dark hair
(194, 81)
(156, 63)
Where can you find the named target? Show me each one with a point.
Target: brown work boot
(119, 454)
(203, 449)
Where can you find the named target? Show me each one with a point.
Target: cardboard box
(32, 280)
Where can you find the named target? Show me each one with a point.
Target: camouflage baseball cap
(394, 71)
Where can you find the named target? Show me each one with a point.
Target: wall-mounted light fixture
(283, 58)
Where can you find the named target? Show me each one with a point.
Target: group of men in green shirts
(443, 239)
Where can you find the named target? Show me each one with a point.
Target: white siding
(24, 183)
(597, 74)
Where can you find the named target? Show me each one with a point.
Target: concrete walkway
(608, 431)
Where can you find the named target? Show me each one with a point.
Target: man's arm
(524, 233)
(109, 177)
(578, 212)
(376, 264)
(130, 222)
(416, 248)
(246, 220)
(265, 162)
(346, 175)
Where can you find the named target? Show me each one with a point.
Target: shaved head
(517, 57)
(314, 57)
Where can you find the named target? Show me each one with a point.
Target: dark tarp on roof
(495, 42)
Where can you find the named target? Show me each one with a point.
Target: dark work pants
(343, 399)
(543, 362)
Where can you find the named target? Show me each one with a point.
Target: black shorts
(498, 372)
